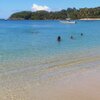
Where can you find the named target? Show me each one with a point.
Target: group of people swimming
(71, 37)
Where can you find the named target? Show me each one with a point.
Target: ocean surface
(33, 45)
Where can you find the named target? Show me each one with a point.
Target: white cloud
(36, 7)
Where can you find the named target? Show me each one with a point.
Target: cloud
(36, 7)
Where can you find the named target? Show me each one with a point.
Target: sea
(31, 47)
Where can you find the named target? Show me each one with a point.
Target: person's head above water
(59, 38)
(81, 34)
(71, 37)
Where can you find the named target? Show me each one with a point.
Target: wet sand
(81, 84)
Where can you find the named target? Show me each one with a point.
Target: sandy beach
(34, 66)
(90, 19)
(81, 84)
(50, 50)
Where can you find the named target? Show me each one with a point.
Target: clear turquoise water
(36, 41)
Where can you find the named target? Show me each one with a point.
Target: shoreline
(47, 19)
(82, 85)
(83, 19)
(67, 70)
(90, 19)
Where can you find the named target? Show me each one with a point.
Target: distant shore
(83, 19)
(90, 19)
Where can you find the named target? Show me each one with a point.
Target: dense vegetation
(72, 13)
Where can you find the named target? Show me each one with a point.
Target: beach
(90, 19)
(83, 83)
(50, 50)
(35, 66)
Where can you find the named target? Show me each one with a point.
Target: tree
(71, 13)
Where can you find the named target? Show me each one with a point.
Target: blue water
(31, 57)
(38, 39)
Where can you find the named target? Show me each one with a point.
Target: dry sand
(83, 84)
(90, 19)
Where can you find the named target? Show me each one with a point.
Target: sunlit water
(33, 45)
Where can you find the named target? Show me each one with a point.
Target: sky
(7, 7)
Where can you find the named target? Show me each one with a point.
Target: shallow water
(33, 44)
(32, 62)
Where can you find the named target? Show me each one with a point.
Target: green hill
(72, 13)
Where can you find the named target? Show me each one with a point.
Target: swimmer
(81, 34)
(59, 39)
(71, 37)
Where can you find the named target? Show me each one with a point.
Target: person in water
(59, 39)
(81, 34)
(71, 37)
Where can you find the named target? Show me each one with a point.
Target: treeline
(71, 13)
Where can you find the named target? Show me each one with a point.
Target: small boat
(68, 22)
